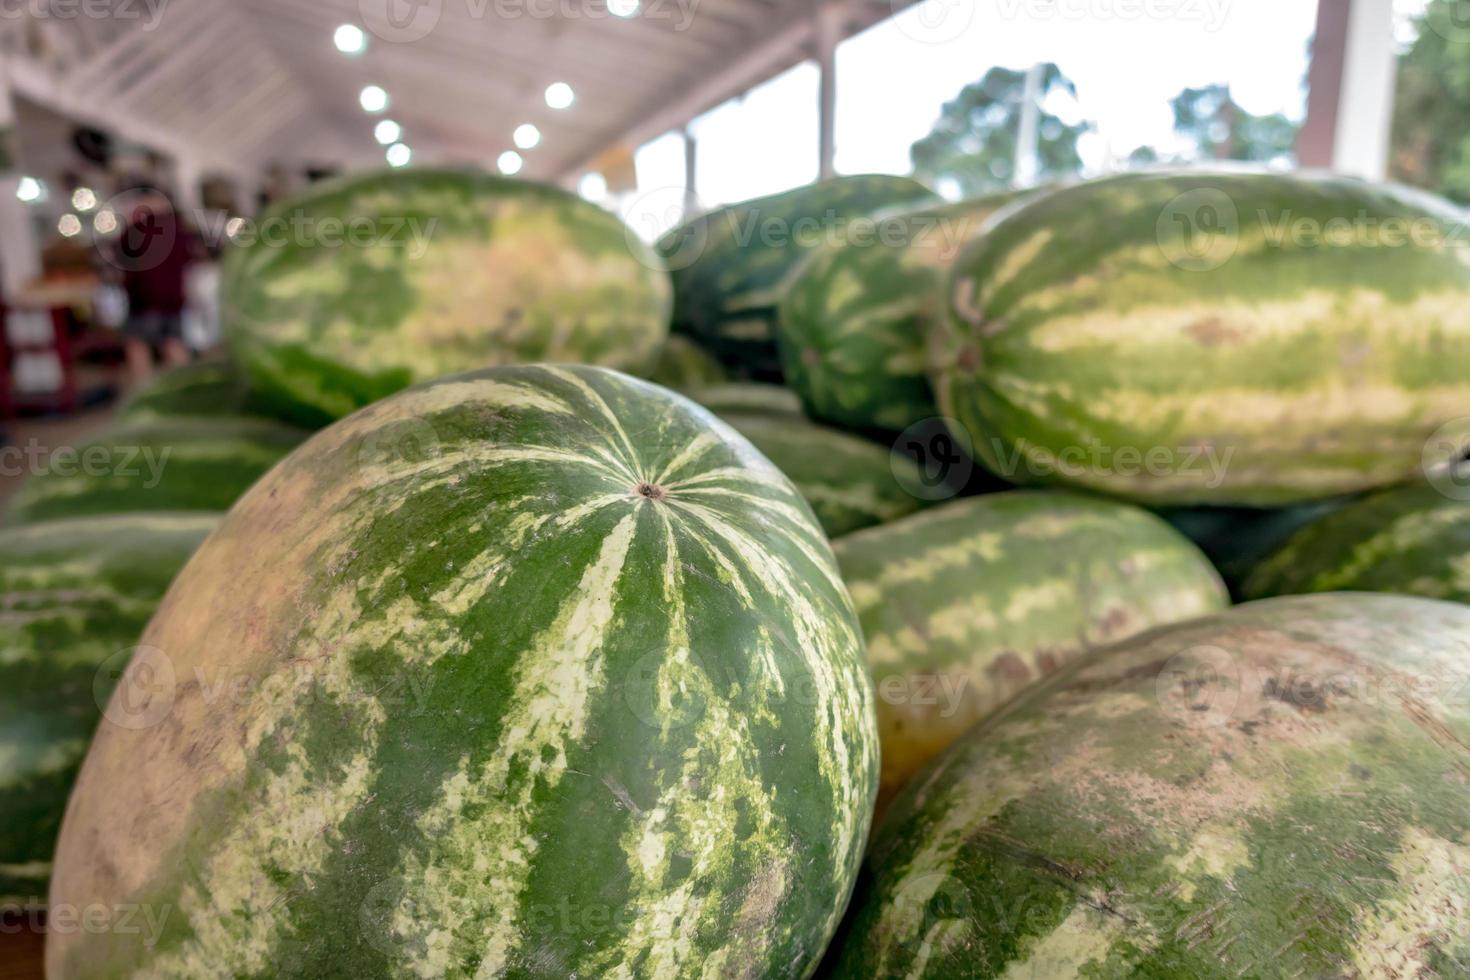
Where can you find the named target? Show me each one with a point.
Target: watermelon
(439, 271)
(74, 598)
(853, 323)
(849, 482)
(1278, 790)
(205, 389)
(573, 690)
(1186, 338)
(729, 266)
(169, 464)
(968, 603)
(747, 398)
(1235, 539)
(1411, 539)
(682, 363)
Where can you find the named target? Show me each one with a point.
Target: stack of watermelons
(545, 670)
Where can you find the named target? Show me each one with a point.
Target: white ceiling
(237, 84)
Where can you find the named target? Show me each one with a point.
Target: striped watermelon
(444, 271)
(966, 604)
(729, 266)
(571, 689)
(852, 325)
(1235, 539)
(165, 465)
(74, 598)
(1183, 338)
(851, 483)
(748, 398)
(682, 363)
(1411, 539)
(205, 389)
(1279, 790)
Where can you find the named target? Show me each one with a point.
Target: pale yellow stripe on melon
(530, 523)
(28, 869)
(1216, 852)
(1083, 938)
(730, 813)
(771, 507)
(611, 417)
(1014, 264)
(1428, 901)
(696, 450)
(840, 699)
(451, 465)
(1371, 316)
(479, 862)
(983, 548)
(101, 527)
(21, 761)
(1408, 532)
(765, 475)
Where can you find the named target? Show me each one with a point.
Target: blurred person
(154, 252)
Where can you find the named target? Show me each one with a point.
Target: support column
(1351, 85)
(691, 179)
(826, 32)
(1028, 129)
(20, 252)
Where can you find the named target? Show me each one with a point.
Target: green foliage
(973, 145)
(1222, 130)
(1431, 120)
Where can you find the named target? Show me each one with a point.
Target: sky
(1128, 58)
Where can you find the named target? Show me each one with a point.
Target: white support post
(1029, 129)
(826, 32)
(20, 253)
(691, 180)
(1350, 101)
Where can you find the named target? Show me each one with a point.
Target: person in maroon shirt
(154, 252)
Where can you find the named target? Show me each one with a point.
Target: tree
(973, 145)
(1431, 118)
(1220, 129)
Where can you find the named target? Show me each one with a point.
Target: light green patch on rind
(207, 389)
(747, 398)
(731, 266)
(1276, 790)
(169, 464)
(854, 322)
(445, 271)
(1084, 335)
(1413, 540)
(849, 482)
(966, 604)
(74, 596)
(572, 687)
